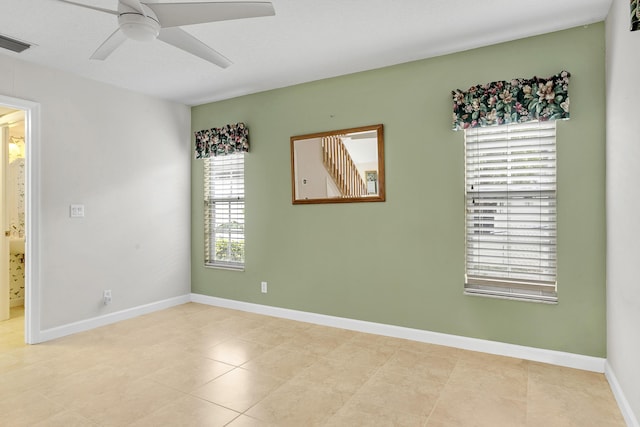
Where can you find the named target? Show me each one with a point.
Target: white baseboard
(570, 360)
(623, 403)
(107, 319)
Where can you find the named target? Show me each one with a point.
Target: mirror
(340, 166)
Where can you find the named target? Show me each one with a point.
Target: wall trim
(570, 360)
(618, 393)
(107, 319)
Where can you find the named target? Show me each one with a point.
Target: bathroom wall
(15, 192)
(16, 210)
(16, 280)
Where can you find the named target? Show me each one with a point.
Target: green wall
(401, 262)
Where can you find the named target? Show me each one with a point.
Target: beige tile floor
(195, 365)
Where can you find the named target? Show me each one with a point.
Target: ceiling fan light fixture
(139, 27)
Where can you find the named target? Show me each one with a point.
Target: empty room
(337, 213)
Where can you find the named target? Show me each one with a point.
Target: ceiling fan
(144, 21)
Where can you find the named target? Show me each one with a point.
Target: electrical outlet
(263, 287)
(106, 296)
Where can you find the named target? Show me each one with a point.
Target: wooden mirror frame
(358, 196)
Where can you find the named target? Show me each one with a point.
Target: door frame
(32, 215)
(5, 299)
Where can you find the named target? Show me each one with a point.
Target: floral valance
(515, 101)
(229, 139)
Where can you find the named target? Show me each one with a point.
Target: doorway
(12, 188)
(19, 124)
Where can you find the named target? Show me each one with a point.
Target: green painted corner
(401, 262)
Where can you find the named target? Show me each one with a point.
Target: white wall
(623, 202)
(126, 157)
(315, 182)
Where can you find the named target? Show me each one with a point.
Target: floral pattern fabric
(515, 101)
(16, 279)
(635, 16)
(229, 139)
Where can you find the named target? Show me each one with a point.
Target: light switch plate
(76, 211)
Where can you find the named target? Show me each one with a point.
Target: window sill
(224, 267)
(511, 297)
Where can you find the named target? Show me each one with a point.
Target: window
(224, 211)
(510, 181)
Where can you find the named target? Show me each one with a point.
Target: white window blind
(224, 211)
(511, 210)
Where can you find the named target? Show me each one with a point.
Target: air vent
(12, 44)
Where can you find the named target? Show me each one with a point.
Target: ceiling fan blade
(178, 14)
(185, 41)
(99, 9)
(135, 5)
(109, 45)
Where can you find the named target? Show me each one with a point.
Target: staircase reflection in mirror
(339, 166)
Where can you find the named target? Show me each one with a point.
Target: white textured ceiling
(306, 40)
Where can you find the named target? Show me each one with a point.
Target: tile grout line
(435, 405)
(361, 385)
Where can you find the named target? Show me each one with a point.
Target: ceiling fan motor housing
(136, 26)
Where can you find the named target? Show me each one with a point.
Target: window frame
(506, 281)
(232, 194)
